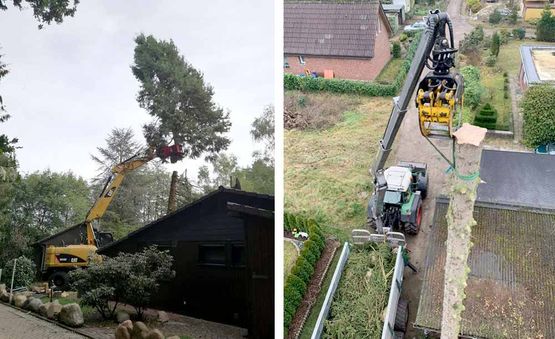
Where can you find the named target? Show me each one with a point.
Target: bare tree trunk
(173, 191)
(464, 184)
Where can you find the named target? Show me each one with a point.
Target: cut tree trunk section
(464, 184)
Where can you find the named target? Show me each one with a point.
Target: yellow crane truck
(58, 260)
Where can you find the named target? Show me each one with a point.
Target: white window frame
(302, 60)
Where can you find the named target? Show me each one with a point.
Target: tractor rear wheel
(413, 228)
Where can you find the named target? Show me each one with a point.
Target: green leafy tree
(472, 41)
(176, 95)
(519, 33)
(129, 277)
(185, 192)
(224, 166)
(204, 182)
(495, 44)
(262, 130)
(46, 202)
(473, 89)
(538, 115)
(45, 12)
(258, 177)
(545, 28)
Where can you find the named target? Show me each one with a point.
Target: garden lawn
(326, 171)
(509, 55)
(390, 71)
(290, 257)
(494, 83)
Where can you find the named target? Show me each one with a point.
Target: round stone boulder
(34, 304)
(71, 315)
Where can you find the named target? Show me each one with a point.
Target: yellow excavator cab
(70, 256)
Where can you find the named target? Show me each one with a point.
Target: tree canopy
(176, 95)
(45, 12)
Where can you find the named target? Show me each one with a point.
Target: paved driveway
(15, 324)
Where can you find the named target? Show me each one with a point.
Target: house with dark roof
(223, 250)
(342, 40)
(532, 9)
(537, 65)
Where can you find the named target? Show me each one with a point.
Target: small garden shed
(223, 249)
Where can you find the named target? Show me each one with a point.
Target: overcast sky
(70, 84)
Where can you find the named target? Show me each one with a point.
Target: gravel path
(15, 324)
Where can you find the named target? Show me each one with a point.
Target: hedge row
(299, 278)
(343, 86)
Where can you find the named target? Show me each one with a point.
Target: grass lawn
(306, 332)
(390, 71)
(326, 171)
(290, 256)
(493, 81)
(509, 55)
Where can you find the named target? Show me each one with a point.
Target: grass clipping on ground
(460, 221)
(362, 295)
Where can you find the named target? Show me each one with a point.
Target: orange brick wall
(346, 68)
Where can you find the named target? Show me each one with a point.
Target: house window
(213, 254)
(301, 60)
(285, 62)
(238, 257)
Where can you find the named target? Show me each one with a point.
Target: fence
(319, 327)
(394, 294)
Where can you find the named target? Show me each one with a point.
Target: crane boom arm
(101, 204)
(433, 41)
(436, 29)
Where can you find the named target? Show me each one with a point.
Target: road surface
(15, 324)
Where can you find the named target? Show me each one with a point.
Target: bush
(473, 89)
(538, 115)
(519, 33)
(504, 36)
(25, 272)
(486, 117)
(495, 44)
(303, 269)
(474, 5)
(495, 17)
(514, 15)
(396, 50)
(130, 278)
(491, 60)
(545, 29)
(403, 37)
(472, 42)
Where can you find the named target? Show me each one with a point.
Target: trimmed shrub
(396, 50)
(403, 37)
(486, 117)
(495, 44)
(504, 36)
(292, 296)
(538, 115)
(297, 283)
(303, 269)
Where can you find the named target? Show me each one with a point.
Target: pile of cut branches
(362, 295)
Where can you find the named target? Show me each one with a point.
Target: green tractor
(407, 186)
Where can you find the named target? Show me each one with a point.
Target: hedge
(344, 86)
(301, 273)
(538, 115)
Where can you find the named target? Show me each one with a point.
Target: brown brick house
(349, 39)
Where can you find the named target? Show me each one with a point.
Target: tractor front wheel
(59, 279)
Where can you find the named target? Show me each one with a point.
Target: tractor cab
(399, 185)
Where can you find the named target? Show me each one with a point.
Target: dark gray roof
(332, 29)
(393, 7)
(517, 178)
(528, 62)
(221, 189)
(511, 278)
